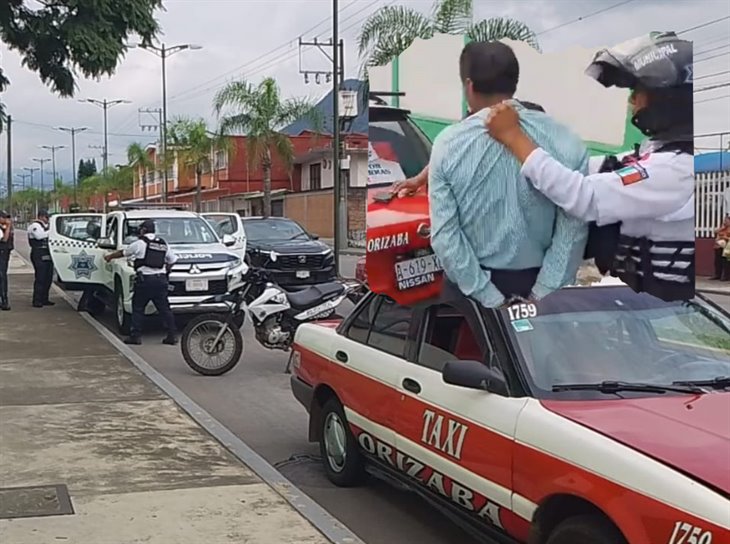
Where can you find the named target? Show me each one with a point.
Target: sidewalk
(713, 286)
(77, 417)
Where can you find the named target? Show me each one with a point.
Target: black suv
(301, 258)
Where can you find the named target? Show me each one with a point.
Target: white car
(208, 264)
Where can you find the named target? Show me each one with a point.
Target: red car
(399, 260)
(595, 416)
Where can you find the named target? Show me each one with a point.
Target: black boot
(133, 340)
(4, 304)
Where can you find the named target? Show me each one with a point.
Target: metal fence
(709, 212)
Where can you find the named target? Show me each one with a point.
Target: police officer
(7, 238)
(152, 260)
(40, 256)
(642, 207)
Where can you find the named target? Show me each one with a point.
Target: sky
(253, 39)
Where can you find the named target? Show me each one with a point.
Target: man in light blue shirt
(496, 236)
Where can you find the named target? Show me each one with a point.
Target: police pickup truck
(208, 263)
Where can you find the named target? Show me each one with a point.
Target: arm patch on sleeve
(632, 174)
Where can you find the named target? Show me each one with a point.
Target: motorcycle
(212, 344)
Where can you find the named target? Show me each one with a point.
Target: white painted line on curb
(333, 529)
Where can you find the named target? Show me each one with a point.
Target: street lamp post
(164, 52)
(42, 162)
(105, 105)
(53, 149)
(30, 173)
(73, 131)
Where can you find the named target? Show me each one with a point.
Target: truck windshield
(594, 335)
(174, 230)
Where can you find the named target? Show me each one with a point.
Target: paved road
(254, 401)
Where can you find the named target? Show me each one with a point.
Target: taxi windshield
(174, 230)
(611, 334)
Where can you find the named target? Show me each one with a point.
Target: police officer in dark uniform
(40, 256)
(7, 238)
(152, 260)
(641, 208)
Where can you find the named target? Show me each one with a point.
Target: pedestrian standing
(40, 256)
(152, 261)
(7, 237)
(722, 265)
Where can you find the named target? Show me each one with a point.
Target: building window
(315, 176)
(221, 159)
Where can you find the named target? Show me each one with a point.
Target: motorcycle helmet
(660, 64)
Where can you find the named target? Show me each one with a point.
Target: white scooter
(212, 344)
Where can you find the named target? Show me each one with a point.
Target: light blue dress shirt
(484, 213)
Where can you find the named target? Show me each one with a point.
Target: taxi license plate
(420, 268)
(302, 274)
(196, 285)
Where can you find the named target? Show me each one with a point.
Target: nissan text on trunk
(207, 264)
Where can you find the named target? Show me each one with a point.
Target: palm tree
(195, 145)
(392, 29)
(137, 156)
(259, 112)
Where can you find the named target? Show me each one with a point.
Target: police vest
(38, 244)
(665, 270)
(7, 245)
(154, 255)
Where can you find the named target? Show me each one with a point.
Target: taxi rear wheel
(586, 530)
(342, 460)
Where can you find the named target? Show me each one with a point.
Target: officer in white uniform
(40, 256)
(152, 260)
(643, 206)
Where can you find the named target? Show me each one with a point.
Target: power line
(712, 99)
(274, 50)
(52, 127)
(713, 49)
(703, 25)
(712, 87)
(281, 58)
(712, 57)
(584, 17)
(713, 75)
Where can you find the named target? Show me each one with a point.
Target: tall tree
(139, 159)
(195, 146)
(392, 29)
(59, 38)
(259, 112)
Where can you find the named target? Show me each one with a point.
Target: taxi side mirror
(228, 240)
(475, 375)
(106, 243)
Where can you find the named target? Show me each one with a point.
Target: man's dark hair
(4, 214)
(43, 213)
(491, 66)
(148, 225)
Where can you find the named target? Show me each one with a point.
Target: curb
(330, 527)
(712, 291)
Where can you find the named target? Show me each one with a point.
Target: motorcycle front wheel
(203, 353)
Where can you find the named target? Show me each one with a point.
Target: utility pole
(9, 125)
(73, 131)
(159, 127)
(105, 105)
(164, 52)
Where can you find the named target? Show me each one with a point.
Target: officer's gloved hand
(611, 164)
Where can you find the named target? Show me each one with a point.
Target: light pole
(163, 52)
(105, 105)
(53, 149)
(23, 177)
(73, 131)
(41, 162)
(30, 172)
(336, 130)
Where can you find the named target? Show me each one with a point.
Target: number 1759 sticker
(522, 311)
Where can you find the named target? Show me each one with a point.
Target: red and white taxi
(399, 260)
(596, 416)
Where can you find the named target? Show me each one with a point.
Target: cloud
(237, 34)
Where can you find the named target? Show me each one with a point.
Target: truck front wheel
(124, 319)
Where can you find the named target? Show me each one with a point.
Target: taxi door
(72, 241)
(230, 224)
(463, 437)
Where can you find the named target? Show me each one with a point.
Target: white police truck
(210, 262)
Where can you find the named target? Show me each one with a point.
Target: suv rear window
(394, 137)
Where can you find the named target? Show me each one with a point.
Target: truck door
(72, 241)
(231, 224)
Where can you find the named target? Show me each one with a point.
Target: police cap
(148, 225)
